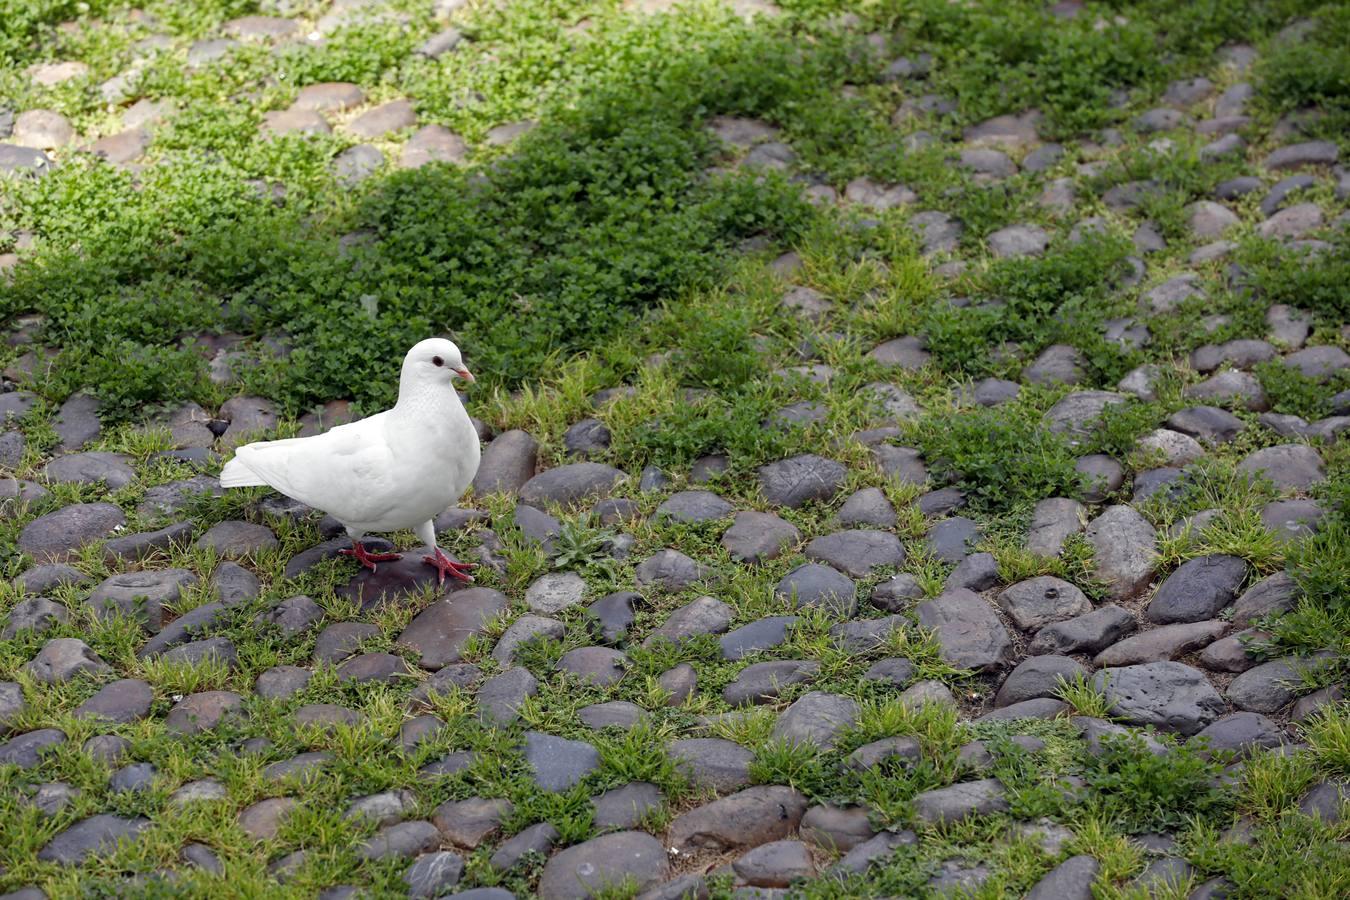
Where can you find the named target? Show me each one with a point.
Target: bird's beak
(465, 374)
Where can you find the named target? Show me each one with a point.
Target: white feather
(398, 469)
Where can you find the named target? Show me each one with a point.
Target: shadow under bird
(395, 470)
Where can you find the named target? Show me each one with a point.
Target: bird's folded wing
(348, 472)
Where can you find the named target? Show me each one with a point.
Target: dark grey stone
(431, 874)
(755, 537)
(1040, 601)
(61, 659)
(36, 614)
(1267, 688)
(613, 614)
(956, 802)
(951, 540)
(500, 697)
(626, 807)
(537, 839)
(57, 535)
(706, 615)
(763, 682)
(1162, 643)
(762, 634)
(631, 857)
(1038, 676)
(801, 479)
(122, 701)
(748, 818)
(817, 718)
(819, 585)
(858, 552)
(967, 630)
(694, 507)
(570, 485)
(558, 764)
(1088, 633)
(95, 835)
(26, 750)
(1169, 696)
(1070, 880)
(712, 763)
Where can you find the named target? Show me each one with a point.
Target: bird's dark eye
(437, 361)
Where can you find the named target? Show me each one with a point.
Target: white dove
(398, 469)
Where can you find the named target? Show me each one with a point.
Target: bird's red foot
(359, 552)
(447, 566)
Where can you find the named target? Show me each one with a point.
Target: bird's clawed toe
(366, 558)
(447, 566)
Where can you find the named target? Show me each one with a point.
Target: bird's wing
(347, 472)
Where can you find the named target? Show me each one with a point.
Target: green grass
(617, 244)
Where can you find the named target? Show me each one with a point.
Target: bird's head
(435, 360)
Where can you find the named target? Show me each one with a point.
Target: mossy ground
(619, 243)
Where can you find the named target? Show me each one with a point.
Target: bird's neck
(428, 402)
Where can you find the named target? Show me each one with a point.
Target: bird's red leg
(366, 558)
(447, 566)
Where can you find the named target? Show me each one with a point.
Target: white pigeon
(398, 469)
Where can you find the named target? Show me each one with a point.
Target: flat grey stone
(712, 763)
(431, 874)
(440, 631)
(748, 818)
(97, 834)
(203, 711)
(1037, 602)
(558, 764)
(35, 614)
(1053, 522)
(469, 823)
(1274, 595)
(1198, 590)
(1291, 467)
(818, 718)
(57, 536)
(801, 479)
(670, 570)
(122, 701)
(762, 634)
(1070, 880)
(906, 750)
(600, 666)
(1125, 550)
(1088, 633)
(61, 659)
(967, 630)
(1169, 696)
(626, 807)
(1163, 643)
(775, 864)
(819, 585)
(631, 857)
(570, 485)
(706, 615)
(1266, 688)
(26, 750)
(1036, 677)
(951, 540)
(537, 839)
(500, 697)
(958, 801)
(857, 552)
(756, 537)
(141, 595)
(507, 463)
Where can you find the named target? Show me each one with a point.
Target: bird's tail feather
(236, 474)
